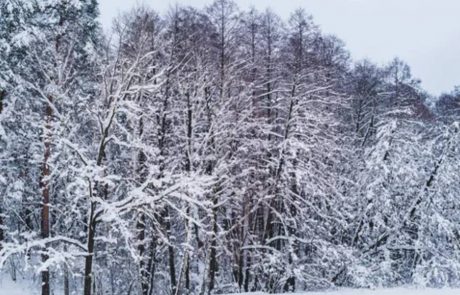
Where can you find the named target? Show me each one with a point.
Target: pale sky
(424, 33)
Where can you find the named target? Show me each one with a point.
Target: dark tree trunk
(241, 269)
(188, 169)
(144, 273)
(247, 275)
(2, 95)
(44, 185)
(213, 266)
(141, 222)
(102, 192)
(187, 274)
(172, 265)
(66, 279)
(2, 236)
(90, 255)
(151, 265)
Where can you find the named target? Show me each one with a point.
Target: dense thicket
(216, 150)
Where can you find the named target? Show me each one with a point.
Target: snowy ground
(7, 287)
(397, 291)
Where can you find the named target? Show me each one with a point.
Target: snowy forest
(216, 150)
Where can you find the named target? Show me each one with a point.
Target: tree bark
(144, 273)
(213, 266)
(2, 95)
(44, 185)
(172, 265)
(2, 235)
(151, 265)
(66, 279)
(141, 222)
(90, 255)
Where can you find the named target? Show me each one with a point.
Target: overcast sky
(424, 33)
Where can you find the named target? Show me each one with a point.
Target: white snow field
(8, 287)
(395, 291)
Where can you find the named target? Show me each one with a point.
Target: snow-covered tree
(216, 151)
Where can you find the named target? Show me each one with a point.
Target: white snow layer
(395, 291)
(8, 287)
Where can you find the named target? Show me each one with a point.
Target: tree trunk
(2, 95)
(2, 236)
(102, 192)
(66, 279)
(213, 266)
(141, 222)
(92, 222)
(144, 274)
(187, 274)
(44, 185)
(247, 275)
(172, 265)
(151, 265)
(90, 255)
(184, 273)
